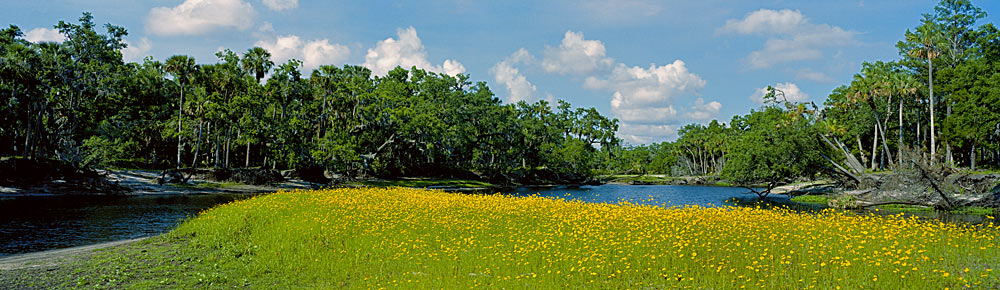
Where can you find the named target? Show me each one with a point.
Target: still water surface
(38, 223)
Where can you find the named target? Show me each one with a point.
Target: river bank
(433, 239)
(56, 269)
(207, 181)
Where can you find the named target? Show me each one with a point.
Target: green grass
(812, 199)
(905, 208)
(425, 183)
(975, 210)
(415, 239)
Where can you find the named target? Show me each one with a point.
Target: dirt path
(56, 257)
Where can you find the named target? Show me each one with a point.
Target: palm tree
(181, 67)
(904, 84)
(928, 36)
(257, 62)
(863, 89)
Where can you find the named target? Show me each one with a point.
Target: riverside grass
(400, 238)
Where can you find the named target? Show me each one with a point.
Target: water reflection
(680, 195)
(29, 224)
(36, 223)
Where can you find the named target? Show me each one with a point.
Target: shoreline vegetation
(206, 181)
(332, 238)
(919, 133)
(76, 105)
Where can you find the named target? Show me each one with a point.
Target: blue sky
(655, 65)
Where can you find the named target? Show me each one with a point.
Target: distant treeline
(886, 111)
(78, 101)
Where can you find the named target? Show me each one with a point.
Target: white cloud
(644, 115)
(791, 37)
(265, 27)
(792, 93)
(702, 111)
(278, 5)
(451, 67)
(42, 34)
(643, 98)
(646, 133)
(812, 75)
(767, 22)
(576, 55)
(504, 73)
(195, 17)
(640, 87)
(406, 51)
(136, 51)
(312, 53)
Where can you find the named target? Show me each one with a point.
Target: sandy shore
(56, 257)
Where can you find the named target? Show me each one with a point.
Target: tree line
(77, 101)
(940, 99)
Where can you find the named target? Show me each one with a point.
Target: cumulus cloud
(792, 93)
(637, 87)
(643, 115)
(136, 51)
(42, 34)
(194, 17)
(576, 55)
(279, 5)
(506, 74)
(702, 111)
(312, 53)
(406, 51)
(646, 133)
(643, 98)
(791, 37)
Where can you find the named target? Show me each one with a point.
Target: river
(38, 223)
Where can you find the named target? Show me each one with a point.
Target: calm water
(669, 195)
(37, 223)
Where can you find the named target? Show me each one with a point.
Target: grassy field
(402, 238)
(425, 182)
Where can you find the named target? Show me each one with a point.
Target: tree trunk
(229, 144)
(851, 162)
(930, 83)
(874, 147)
(899, 145)
(885, 143)
(197, 149)
(972, 156)
(322, 119)
(247, 163)
(880, 128)
(218, 147)
(918, 141)
(180, 122)
(885, 129)
(861, 149)
(947, 145)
